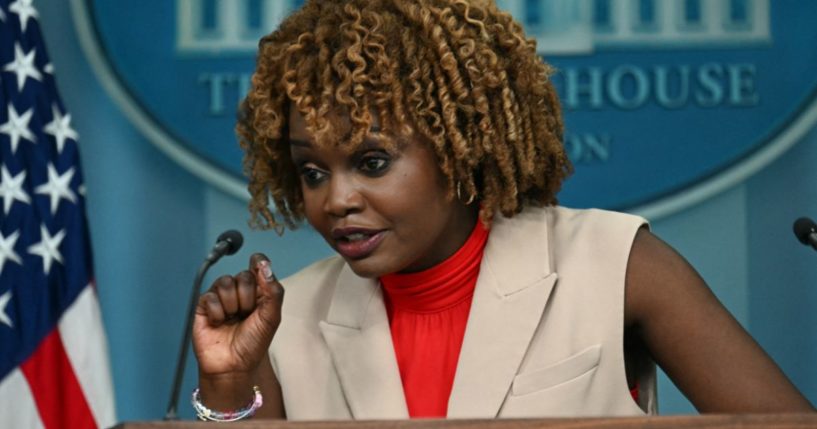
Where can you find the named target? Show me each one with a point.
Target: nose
(344, 197)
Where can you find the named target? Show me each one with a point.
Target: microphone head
(234, 240)
(803, 228)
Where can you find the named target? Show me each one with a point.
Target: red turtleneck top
(428, 311)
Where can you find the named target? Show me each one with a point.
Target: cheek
(426, 191)
(421, 179)
(312, 209)
(417, 203)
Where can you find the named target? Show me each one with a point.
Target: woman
(422, 140)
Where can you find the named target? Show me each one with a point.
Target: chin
(364, 270)
(368, 268)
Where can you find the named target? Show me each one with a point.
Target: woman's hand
(234, 325)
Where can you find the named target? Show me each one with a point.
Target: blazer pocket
(565, 370)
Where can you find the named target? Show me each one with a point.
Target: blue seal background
(655, 151)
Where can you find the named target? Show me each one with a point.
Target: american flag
(54, 370)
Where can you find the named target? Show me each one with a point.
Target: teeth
(356, 236)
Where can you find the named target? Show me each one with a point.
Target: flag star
(23, 66)
(25, 10)
(4, 301)
(7, 249)
(60, 128)
(48, 248)
(17, 127)
(11, 188)
(58, 186)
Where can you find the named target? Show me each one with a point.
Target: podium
(720, 421)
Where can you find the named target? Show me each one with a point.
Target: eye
(312, 176)
(374, 164)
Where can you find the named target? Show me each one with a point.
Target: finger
(227, 292)
(245, 288)
(212, 308)
(267, 282)
(265, 277)
(255, 264)
(270, 293)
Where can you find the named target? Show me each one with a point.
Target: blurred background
(152, 220)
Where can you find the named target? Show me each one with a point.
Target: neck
(441, 286)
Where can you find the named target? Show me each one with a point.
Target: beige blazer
(544, 335)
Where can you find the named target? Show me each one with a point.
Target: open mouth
(358, 236)
(358, 245)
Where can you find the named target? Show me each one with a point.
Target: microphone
(806, 231)
(227, 244)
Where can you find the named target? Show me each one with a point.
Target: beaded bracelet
(206, 414)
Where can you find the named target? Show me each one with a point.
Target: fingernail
(266, 270)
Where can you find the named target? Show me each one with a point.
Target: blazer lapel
(357, 333)
(512, 290)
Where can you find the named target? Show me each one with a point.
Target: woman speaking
(423, 140)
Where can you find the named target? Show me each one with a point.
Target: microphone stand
(188, 331)
(227, 244)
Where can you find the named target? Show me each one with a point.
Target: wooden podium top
(707, 421)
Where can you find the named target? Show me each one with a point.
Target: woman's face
(384, 210)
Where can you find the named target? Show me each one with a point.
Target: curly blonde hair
(461, 73)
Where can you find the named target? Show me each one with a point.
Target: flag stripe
(84, 342)
(21, 412)
(55, 387)
(50, 333)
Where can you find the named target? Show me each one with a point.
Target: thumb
(269, 292)
(260, 265)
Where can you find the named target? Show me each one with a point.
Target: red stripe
(55, 387)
